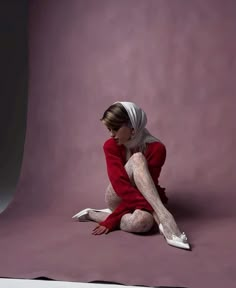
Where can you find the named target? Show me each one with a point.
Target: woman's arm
(118, 176)
(112, 222)
(155, 156)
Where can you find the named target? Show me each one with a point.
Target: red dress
(131, 198)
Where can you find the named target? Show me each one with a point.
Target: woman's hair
(116, 116)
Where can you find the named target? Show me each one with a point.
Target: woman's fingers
(100, 230)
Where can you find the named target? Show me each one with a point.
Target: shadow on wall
(13, 90)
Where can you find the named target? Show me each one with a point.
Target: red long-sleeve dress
(131, 198)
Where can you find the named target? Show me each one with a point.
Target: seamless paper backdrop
(175, 59)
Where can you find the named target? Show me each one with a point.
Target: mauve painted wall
(176, 59)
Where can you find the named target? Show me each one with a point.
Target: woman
(134, 160)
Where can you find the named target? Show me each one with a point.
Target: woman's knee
(138, 158)
(143, 221)
(138, 222)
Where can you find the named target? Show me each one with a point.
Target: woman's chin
(117, 141)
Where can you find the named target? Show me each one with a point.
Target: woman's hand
(100, 230)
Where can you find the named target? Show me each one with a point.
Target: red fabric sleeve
(112, 222)
(156, 156)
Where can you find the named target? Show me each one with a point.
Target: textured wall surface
(177, 60)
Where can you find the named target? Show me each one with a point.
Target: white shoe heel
(179, 242)
(82, 216)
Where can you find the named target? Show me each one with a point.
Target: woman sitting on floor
(134, 161)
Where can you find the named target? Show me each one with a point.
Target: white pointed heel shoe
(179, 242)
(82, 216)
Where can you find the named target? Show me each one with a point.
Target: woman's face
(122, 135)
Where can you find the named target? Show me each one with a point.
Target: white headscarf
(141, 135)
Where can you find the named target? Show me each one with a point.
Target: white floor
(19, 283)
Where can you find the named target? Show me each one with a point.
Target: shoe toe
(82, 214)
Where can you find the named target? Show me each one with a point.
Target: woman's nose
(113, 134)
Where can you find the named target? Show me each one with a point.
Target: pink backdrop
(175, 59)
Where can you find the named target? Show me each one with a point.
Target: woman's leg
(146, 186)
(97, 216)
(137, 222)
(112, 201)
(111, 198)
